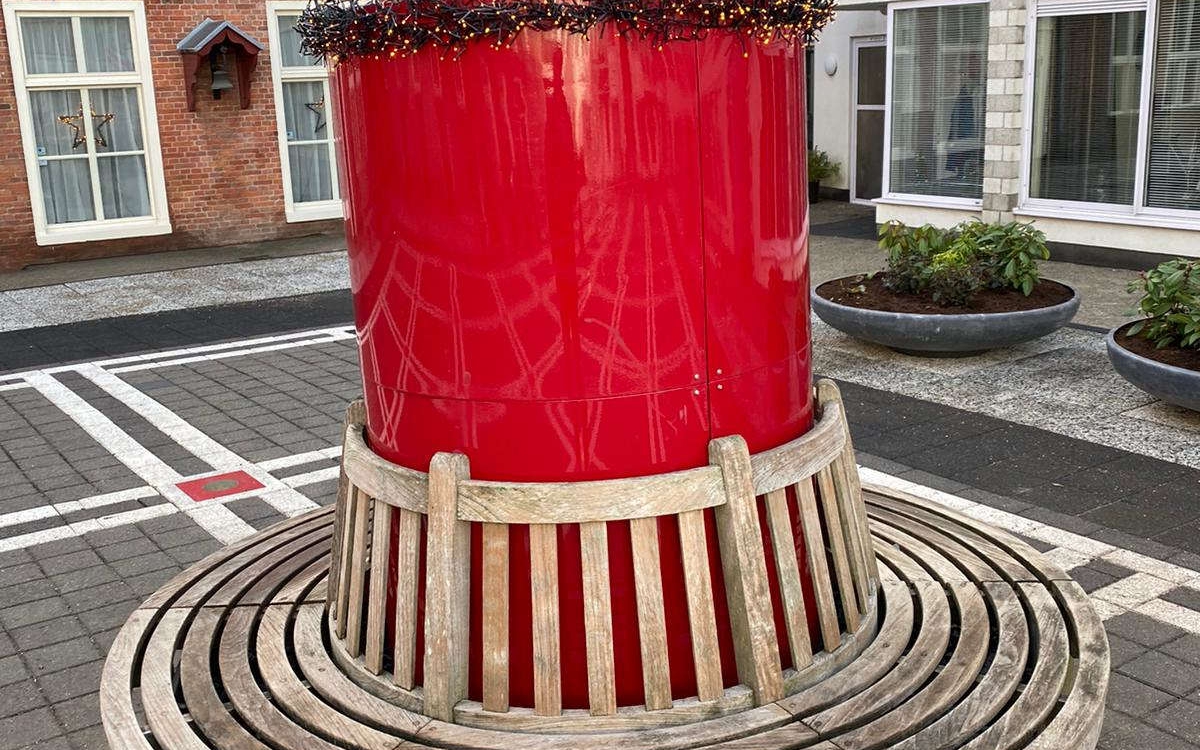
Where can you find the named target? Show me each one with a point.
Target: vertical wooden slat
(652, 620)
(702, 618)
(597, 619)
(359, 550)
(447, 588)
(543, 564)
(828, 391)
(342, 602)
(843, 467)
(837, 545)
(408, 571)
(336, 546)
(746, 573)
(818, 568)
(381, 543)
(783, 543)
(495, 617)
(355, 415)
(860, 512)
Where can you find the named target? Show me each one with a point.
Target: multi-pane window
(1110, 124)
(1086, 107)
(1173, 174)
(84, 95)
(305, 120)
(938, 100)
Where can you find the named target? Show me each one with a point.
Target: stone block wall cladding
(221, 163)
(1005, 118)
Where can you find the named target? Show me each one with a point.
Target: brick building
(104, 158)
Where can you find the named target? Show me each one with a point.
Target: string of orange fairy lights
(333, 29)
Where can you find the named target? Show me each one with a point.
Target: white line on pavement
(134, 455)
(1137, 592)
(74, 506)
(333, 336)
(283, 462)
(282, 497)
(79, 528)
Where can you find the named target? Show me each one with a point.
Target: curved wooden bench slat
(580, 502)
(801, 458)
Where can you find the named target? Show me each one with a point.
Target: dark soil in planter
(1188, 359)
(878, 297)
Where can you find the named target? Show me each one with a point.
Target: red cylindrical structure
(580, 259)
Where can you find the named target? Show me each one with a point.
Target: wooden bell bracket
(203, 41)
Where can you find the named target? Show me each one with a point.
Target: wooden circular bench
(981, 643)
(974, 640)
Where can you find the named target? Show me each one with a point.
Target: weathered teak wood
(814, 543)
(597, 618)
(495, 617)
(547, 672)
(408, 571)
(358, 571)
(837, 546)
(702, 618)
(356, 414)
(381, 547)
(285, 680)
(399, 486)
(580, 502)
(447, 587)
(745, 573)
(791, 462)
(652, 619)
(791, 590)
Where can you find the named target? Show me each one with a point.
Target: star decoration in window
(104, 119)
(75, 123)
(318, 109)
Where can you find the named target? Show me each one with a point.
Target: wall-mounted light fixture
(831, 65)
(217, 41)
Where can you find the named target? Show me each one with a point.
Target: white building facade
(1080, 115)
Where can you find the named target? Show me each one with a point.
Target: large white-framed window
(89, 128)
(1112, 128)
(936, 102)
(304, 119)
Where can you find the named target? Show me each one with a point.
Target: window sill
(314, 211)
(95, 231)
(1154, 221)
(931, 201)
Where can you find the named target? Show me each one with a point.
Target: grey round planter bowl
(954, 335)
(1169, 383)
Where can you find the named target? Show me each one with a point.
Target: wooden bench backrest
(833, 525)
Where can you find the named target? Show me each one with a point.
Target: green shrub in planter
(1171, 303)
(954, 264)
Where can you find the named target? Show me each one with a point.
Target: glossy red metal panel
(529, 441)
(768, 406)
(755, 205)
(548, 242)
(535, 284)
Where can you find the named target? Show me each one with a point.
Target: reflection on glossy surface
(579, 259)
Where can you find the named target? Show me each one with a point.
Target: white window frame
(912, 199)
(158, 222)
(1137, 214)
(308, 210)
(858, 43)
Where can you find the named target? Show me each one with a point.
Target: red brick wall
(221, 163)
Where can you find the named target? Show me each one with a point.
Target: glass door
(870, 84)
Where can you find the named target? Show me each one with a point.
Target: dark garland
(332, 29)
